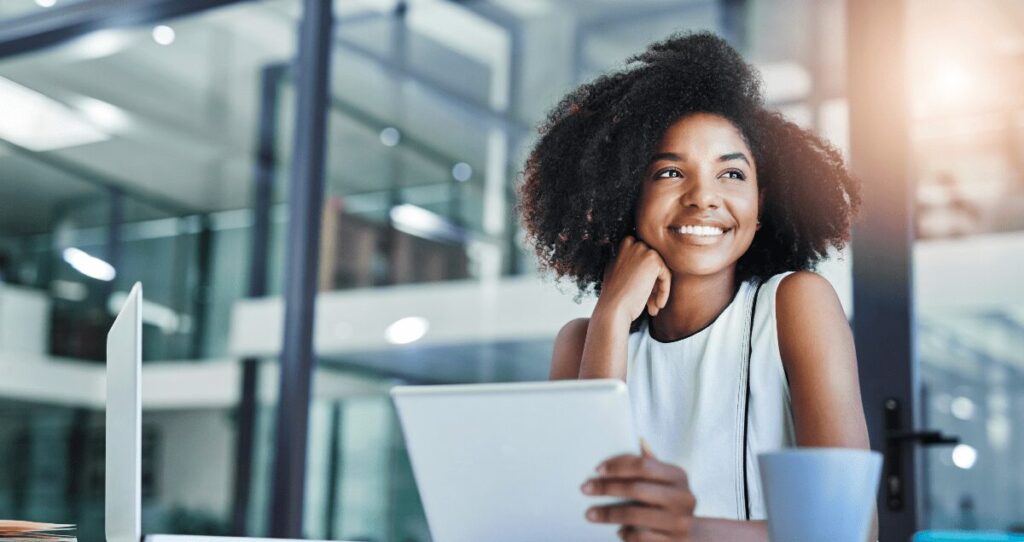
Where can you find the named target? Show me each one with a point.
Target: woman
(697, 217)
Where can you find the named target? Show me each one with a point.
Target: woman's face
(699, 202)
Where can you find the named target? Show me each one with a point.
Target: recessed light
(964, 456)
(89, 265)
(407, 330)
(390, 136)
(163, 34)
(462, 172)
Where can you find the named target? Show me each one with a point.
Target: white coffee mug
(815, 494)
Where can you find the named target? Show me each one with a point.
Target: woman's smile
(698, 235)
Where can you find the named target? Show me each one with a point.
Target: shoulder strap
(746, 402)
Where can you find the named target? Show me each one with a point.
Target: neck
(693, 303)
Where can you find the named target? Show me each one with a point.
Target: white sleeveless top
(688, 398)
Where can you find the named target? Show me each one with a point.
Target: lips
(712, 223)
(699, 234)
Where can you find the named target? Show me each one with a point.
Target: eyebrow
(678, 158)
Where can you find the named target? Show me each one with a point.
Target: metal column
(304, 210)
(115, 231)
(266, 159)
(883, 307)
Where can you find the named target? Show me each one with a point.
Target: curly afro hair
(582, 179)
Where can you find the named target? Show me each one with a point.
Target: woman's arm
(818, 354)
(604, 351)
(565, 359)
(635, 280)
(590, 348)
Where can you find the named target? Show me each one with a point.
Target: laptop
(124, 445)
(505, 462)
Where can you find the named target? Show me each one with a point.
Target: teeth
(700, 230)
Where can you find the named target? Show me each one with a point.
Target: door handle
(895, 439)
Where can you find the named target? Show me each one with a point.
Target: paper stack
(25, 531)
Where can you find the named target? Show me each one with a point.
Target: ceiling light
(951, 81)
(98, 44)
(163, 34)
(421, 222)
(390, 136)
(46, 3)
(89, 265)
(407, 330)
(107, 116)
(40, 123)
(964, 456)
(462, 172)
(962, 408)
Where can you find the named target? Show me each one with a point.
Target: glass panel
(970, 304)
(130, 158)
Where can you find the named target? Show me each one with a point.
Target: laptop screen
(123, 469)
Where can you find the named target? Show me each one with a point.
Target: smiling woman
(583, 179)
(697, 216)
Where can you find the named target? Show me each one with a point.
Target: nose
(701, 193)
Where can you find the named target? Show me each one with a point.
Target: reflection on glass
(970, 194)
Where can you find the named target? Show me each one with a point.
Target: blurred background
(136, 151)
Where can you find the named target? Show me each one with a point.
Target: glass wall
(966, 134)
(127, 154)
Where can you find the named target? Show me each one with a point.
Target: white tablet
(505, 462)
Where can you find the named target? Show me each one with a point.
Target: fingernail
(591, 514)
(602, 469)
(588, 487)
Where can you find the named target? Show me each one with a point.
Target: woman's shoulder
(806, 300)
(792, 286)
(802, 288)
(568, 351)
(793, 297)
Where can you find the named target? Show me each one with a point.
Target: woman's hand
(663, 505)
(637, 277)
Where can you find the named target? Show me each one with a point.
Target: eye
(736, 174)
(661, 174)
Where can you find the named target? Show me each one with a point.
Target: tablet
(505, 462)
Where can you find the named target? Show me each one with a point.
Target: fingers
(652, 301)
(633, 534)
(664, 285)
(626, 241)
(640, 516)
(642, 491)
(638, 466)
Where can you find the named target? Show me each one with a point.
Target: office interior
(157, 141)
